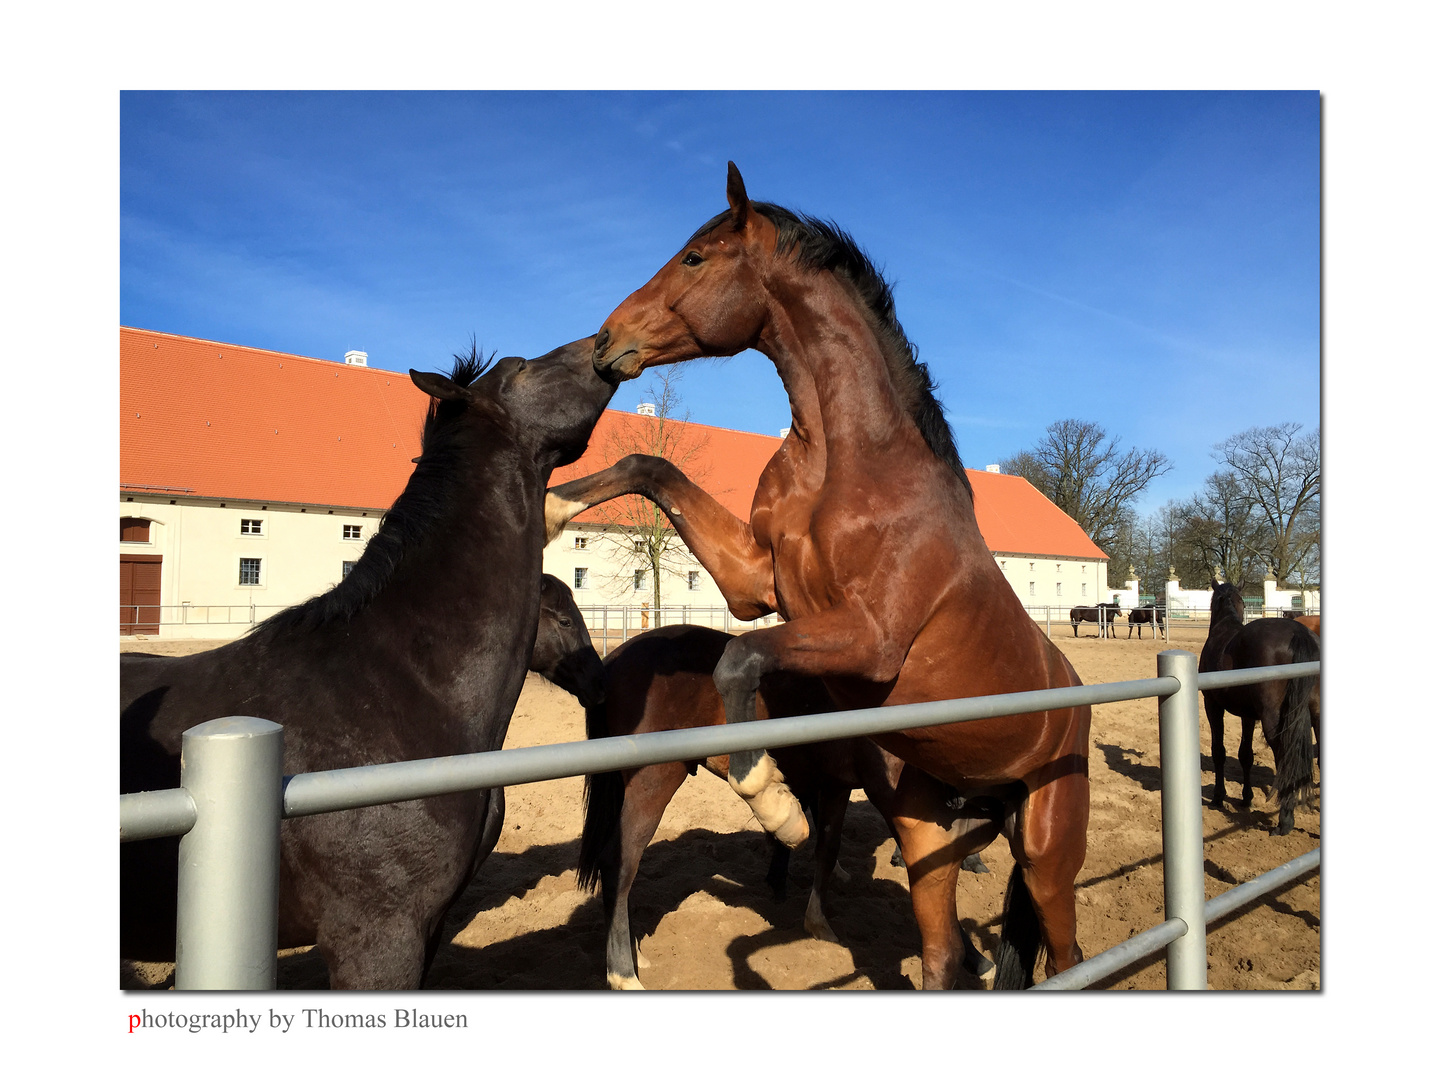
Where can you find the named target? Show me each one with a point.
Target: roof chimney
(645, 408)
(992, 468)
(784, 431)
(357, 358)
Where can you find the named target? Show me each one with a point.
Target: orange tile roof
(1016, 519)
(221, 421)
(225, 421)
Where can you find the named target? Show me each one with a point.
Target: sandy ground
(707, 920)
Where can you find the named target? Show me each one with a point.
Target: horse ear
(739, 201)
(1214, 585)
(438, 386)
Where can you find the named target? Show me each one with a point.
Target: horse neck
(828, 355)
(465, 594)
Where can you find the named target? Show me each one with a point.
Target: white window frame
(359, 533)
(259, 581)
(258, 531)
(580, 579)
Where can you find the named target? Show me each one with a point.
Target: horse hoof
(640, 959)
(820, 930)
(980, 966)
(974, 864)
(624, 982)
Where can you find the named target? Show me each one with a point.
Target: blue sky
(1148, 261)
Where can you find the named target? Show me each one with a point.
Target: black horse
(1110, 613)
(1288, 709)
(421, 651)
(1153, 616)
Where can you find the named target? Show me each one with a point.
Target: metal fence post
(1181, 824)
(228, 902)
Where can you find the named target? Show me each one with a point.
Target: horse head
(547, 406)
(1225, 601)
(708, 300)
(563, 652)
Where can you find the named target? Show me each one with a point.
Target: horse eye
(692, 259)
(564, 622)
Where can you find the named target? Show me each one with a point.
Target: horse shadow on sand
(731, 868)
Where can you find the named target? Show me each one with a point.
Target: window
(1057, 588)
(1082, 588)
(350, 532)
(580, 543)
(135, 530)
(639, 580)
(582, 574)
(249, 571)
(639, 545)
(250, 526)
(1032, 567)
(1059, 567)
(345, 568)
(694, 580)
(1032, 588)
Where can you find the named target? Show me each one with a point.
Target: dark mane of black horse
(425, 501)
(823, 245)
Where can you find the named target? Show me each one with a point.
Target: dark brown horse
(862, 534)
(1103, 615)
(1152, 615)
(663, 680)
(562, 652)
(420, 652)
(1287, 709)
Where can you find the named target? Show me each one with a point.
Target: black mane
(426, 500)
(823, 245)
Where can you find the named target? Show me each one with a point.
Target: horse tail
(1020, 939)
(604, 800)
(1295, 754)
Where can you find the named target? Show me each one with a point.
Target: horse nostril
(602, 342)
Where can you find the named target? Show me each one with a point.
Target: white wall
(1055, 581)
(300, 551)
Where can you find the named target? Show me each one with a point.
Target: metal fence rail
(232, 962)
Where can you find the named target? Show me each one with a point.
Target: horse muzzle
(615, 362)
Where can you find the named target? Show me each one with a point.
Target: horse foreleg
(1247, 758)
(841, 641)
(1215, 713)
(830, 809)
(724, 545)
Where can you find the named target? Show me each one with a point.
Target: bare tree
(1081, 469)
(1220, 531)
(1279, 470)
(647, 549)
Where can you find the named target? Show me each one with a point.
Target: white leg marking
(626, 983)
(558, 511)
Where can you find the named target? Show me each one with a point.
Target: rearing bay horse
(863, 536)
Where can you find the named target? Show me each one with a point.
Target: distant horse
(1288, 709)
(1153, 616)
(419, 652)
(863, 536)
(1102, 614)
(663, 681)
(1311, 621)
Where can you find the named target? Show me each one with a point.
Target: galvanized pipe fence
(232, 799)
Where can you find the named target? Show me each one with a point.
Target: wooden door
(139, 594)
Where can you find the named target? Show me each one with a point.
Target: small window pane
(582, 574)
(249, 571)
(250, 526)
(350, 532)
(694, 580)
(580, 543)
